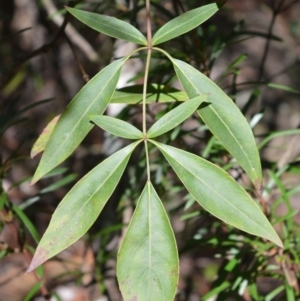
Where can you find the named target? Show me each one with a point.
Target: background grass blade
(175, 116)
(81, 206)
(117, 127)
(109, 25)
(224, 120)
(147, 267)
(27, 222)
(184, 23)
(73, 125)
(218, 193)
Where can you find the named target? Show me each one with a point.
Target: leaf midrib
(156, 131)
(150, 236)
(80, 119)
(96, 191)
(119, 28)
(207, 185)
(137, 134)
(174, 28)
(224, 123)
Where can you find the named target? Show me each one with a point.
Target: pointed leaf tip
(184, 23)
(218, 193)
(117, 127)
(223, 118)
(174, 117)
(147, 266)
(73, 125)
(40, 256)
(109, 25)
(81, 206)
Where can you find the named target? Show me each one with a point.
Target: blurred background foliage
(250, 48)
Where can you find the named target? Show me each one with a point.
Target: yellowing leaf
(40, 145)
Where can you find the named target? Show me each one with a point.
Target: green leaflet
(147, 267)
(73, 125)
(224, 119)
(155, 93)
(175, 117)
(117, 127)
(81, 206)
(184, 23)
(110, 26)
(218, 193)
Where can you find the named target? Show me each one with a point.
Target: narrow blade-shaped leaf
(184, 23)
(147, 267)
(73, 125)
(117, 127)
(224, 119)
(109, 25)
(155, 93)
(218, 193)
(81, 206)
(283, 87)
(40, 144)
(175, 116)
(27, 222)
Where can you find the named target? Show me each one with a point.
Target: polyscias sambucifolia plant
(148, 265)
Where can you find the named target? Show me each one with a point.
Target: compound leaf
(184, 23)
(117, 127)
(218, 193)
(147, 267)
(175, 116)
(224, 119)
(109, 25)
(81, 206)
(73, 125)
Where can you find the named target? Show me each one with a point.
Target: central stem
(149, 51)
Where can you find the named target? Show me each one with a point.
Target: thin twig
(43, 49)
(197, 43)
(276, 11)
(149, 32)
(77, 39)
(85, 76)
(175, 5)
